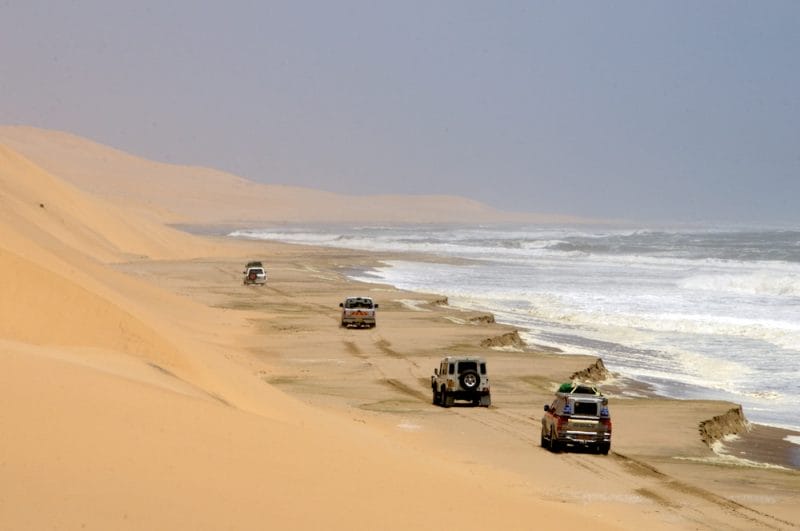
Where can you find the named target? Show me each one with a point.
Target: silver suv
(577, 417)
(461, 378)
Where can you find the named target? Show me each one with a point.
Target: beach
(145, 387)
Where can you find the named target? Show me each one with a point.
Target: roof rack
(578, 388)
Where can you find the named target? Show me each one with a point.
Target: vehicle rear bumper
(584, 438)
(356, 321)
(469, 395)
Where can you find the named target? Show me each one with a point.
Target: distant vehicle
(358, 311)
(255, 275)
(461, 378)
(253, 264)
(577, 417)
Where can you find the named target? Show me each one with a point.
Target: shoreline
(755, 443)
(380, 379)
(684, 351)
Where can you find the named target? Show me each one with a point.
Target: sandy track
(380, 377)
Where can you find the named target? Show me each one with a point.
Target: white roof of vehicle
(465, 358)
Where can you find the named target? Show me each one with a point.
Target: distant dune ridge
(189, 194)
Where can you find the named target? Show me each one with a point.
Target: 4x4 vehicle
(461, 378)
(578, 417)
(358, 311)
(255, 274)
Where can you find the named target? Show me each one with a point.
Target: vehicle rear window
(358, 303)
(467, 366)
(585, 408)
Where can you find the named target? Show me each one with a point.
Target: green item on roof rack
(573, 387)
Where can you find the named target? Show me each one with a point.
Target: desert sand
(144, 387)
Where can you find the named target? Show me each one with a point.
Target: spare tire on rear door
(469, 380)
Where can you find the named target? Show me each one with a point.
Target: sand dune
(140, 380)
(200, 195)
(124, 407)
(54, 214)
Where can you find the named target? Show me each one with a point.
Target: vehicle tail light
(607, 424)
(560, 421)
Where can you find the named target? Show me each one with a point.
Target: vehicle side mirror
(341, 305)
(436, 372)
(546, 407)
(376, 305)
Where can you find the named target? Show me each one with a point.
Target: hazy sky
(668, 110)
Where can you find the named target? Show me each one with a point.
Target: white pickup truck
(358, 311)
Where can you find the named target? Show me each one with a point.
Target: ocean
(696, 314)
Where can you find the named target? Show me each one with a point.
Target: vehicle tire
(555, 446)
(604, 448)
(435, 397)
(469, 380)
(486, 401)
(447, 400)
(542, 439)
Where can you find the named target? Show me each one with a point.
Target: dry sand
(144, 387)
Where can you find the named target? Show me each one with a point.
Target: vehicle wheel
(604, 448)
(469, 380)
(435, 397)
(542, 439)
(555, 446)
(447, 400)
(486, 401)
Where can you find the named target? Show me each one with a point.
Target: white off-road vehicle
(461, 378)
(254, 273)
